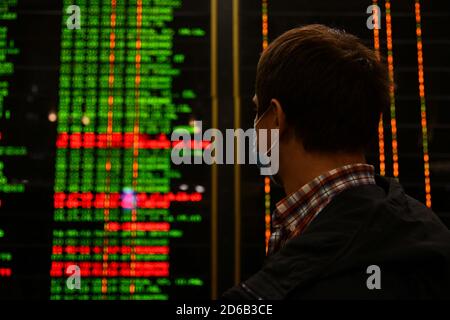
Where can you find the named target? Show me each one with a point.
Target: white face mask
(263, 160)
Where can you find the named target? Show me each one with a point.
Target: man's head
(322, 88)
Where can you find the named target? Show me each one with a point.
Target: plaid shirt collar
(295, 212)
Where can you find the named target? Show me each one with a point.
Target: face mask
(263, 159)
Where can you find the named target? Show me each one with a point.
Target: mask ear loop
(263, 168)
(257, 120)
(263, 164)
(264, 159)
(255, 140)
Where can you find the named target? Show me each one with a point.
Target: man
(342, 232)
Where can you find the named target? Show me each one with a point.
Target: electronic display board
(113, 207)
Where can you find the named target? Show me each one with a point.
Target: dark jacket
(362, 226)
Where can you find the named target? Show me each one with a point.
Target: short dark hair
(331, 87)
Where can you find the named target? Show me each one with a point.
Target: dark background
(27, 218)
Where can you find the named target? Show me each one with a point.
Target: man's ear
(280, 116)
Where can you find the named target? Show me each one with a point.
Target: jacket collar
(305, 258)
